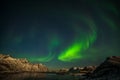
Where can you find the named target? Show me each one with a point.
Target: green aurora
(79, 45)
(82, 41)
(74, 51)
(77, 33)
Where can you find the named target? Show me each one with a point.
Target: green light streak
(75, 50)
(109, 22)
(47, 58)
(54, 41)
(71, 53)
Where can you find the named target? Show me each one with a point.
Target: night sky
(60, 33)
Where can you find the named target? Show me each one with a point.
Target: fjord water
(37, 76)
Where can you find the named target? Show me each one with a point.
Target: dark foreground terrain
(21, 69)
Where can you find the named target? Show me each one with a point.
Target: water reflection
(23, 76)
(37, 76)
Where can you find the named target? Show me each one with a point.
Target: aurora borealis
(61, 33)
(74, 51)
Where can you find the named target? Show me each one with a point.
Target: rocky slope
(108, 70)
(77, 70)
(10, 64)
(81, 70)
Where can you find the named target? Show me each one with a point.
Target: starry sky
(60, 33)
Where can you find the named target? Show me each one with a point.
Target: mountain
(108, 70)
(10, 64)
